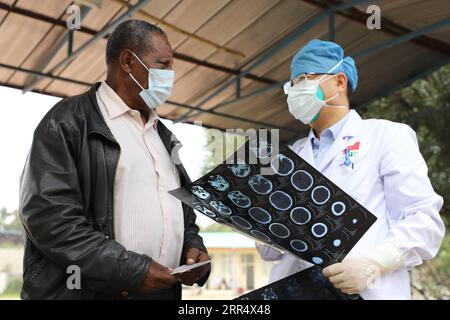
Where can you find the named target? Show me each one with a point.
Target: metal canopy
(232, 56)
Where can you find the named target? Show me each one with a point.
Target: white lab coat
(389, 178)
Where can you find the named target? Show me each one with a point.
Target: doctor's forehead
(309, 76)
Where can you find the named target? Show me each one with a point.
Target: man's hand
(158, 277)
(190, 277)
(354, 274)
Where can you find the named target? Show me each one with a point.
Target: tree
(425, 106)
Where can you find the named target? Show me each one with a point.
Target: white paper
(188, 267)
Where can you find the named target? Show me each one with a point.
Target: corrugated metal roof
(216, 39)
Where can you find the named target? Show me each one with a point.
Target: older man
(94, 191)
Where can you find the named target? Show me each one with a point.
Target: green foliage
(11, 228)
(6, 216)
(425, 106)
(14, 286)
(443, 258)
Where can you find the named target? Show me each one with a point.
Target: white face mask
(303, 101)
(160, 83)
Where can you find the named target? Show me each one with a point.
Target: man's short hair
(135, 35)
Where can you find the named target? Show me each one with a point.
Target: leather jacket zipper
(110, 226)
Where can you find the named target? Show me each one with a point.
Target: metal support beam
(388, 26)
(166, 25)
(70, 42)
(331, 26)
(181, 105)
(206, 64)
(12, 86)
(269, 53)
(43, 75)
(225, 115)
(359, 54)
(98, 36)
(238, 88)
(42, 17)
(406, 37)
(404, 83)
(92, 32)
(67, 37)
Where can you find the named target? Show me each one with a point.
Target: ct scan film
(308, 284)
(281, 200)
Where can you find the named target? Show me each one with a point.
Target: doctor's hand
(353, 274)
(195, 255)
(158, 277)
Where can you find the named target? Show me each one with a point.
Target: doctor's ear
(341, 82)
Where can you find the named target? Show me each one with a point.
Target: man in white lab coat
(377, 162)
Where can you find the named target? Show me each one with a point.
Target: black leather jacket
(66, 207)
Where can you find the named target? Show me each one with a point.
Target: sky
(21, 113)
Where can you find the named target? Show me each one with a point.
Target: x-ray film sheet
(308, 284)
(295, 209)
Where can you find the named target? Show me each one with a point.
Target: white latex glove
(354, 274)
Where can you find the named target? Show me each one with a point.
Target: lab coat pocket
(353, 178)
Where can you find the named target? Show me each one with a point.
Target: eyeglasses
(300, 78)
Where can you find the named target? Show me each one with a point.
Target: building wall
(11, 261)
(237, 268)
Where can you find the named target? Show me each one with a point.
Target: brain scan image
(299, 245)
(200, 192)
(279, 230)
(218, 182)
(338, 208)
(239, 199)
(260, 215)
(320, 195)
(292, 287)
(317, 260)
(260, 185)
(263, 151)
(307, 284)
(260, 235)
(280, 200)
(317, 277)
(205, 211)
(269, 294)
(302, 180)
(282, 165)
(221, 208)
(240, 170)
(241, 222)
(319, 229)
(300, 215)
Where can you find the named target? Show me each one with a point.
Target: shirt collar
(116, 107)
(334, 130)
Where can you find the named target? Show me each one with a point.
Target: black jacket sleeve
(52, 212)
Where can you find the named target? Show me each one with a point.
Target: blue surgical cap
(319, 56)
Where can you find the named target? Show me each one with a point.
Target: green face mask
(321, 96)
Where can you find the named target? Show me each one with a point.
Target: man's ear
(125, 60)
